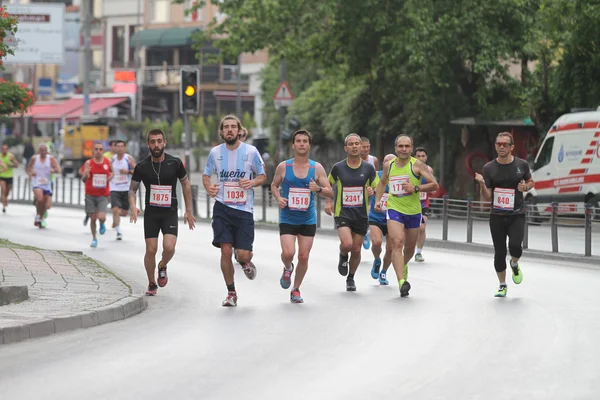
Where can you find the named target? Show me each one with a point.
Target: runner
(239, 169)
(378, 229)
(404, 207)
(112, 150)
(421, 155)
(298, 214)
(123, 165)
(159, 172)
(40, 168)
(97, 173)
(6, 176)
(506, 178)
(365, 149)
(354, 180)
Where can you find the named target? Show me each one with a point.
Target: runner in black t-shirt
(503, 182)
(159, 172)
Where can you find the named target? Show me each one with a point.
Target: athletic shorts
(9, 181)
(298, 230)
(409, 221)
(383, 227)
(47, 192)
(232, 226)
(95, 204)
(360, 227)
(120, 200)
(160, 221)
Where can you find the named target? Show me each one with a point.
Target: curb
(117, 311)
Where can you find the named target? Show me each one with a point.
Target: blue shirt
(301, 203)
(230, 166)
(374, 216)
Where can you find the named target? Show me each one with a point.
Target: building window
(118, 45)
(159, 11)
(194, 16)
(132, 31)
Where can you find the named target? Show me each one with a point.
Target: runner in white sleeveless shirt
(40, 168)
(123, 165)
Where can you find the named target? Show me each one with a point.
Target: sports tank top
(399, 200)
(120, 182)
(301, 201)
(97, 183)
(371, 160)
(9, 170)
(42, 173)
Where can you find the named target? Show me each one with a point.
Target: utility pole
(138, 68)
(238, 95)
(282, 110)
(86, 20)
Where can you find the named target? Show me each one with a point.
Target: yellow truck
(78, 145)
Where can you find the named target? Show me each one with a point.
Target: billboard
(40, 38)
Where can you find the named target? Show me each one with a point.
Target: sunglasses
(98, 149)
(503, 144)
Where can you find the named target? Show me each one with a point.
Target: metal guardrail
(70, 192)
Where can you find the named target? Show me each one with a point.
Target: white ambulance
(567, 166)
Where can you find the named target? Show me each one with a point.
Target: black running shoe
(343, 265)
(350, 285)
(404, 288)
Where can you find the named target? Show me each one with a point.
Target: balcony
(169, 75)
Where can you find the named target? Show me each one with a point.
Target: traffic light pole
(282, 111)
(188, 143)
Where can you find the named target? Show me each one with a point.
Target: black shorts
(156, 222)
(359, 226)
(120, 200)
(380, 226)
(232, 226)
(9, 181)
(425, 212)
(298, 230)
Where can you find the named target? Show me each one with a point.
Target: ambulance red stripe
(567, 181)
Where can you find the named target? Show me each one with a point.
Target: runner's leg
(396, 238)
(288, 249)
(150, 258)
(304, 246)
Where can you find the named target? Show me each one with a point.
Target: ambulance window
(545, 154)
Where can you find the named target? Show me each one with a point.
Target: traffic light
(189, 91)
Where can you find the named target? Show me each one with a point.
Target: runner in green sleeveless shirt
(6, 176)
(403, 174)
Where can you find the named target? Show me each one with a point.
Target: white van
(567, 166)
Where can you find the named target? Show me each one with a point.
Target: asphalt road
(451, 339)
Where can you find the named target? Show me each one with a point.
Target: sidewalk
(66, 291)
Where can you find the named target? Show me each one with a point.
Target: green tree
(201, 131)
(177, 130)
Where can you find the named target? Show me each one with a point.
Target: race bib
(299, 199)
(383, 202)
(423, 196)
(396, 183)
(233, 193)
(160, 196)
(353, 196)
(99, 181)
(42, 181)
(120, 178)
(504, 199)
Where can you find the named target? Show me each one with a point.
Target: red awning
(97, 105)
(56, 111)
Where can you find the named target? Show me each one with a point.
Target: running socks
(231, 288)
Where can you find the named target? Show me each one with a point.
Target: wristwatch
(417, 188)
(320, 189)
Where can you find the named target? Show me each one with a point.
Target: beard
(230, 141)
(156, 153)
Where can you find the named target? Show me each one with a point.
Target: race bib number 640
(504, 199)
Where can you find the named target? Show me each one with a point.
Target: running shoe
(350, 285)
(162, 276)
(501, 291)
(375, 269)
(85, 220)
(286, 278)
(517, 275)
(152, 288)
(366, 242)
(46, 214)
(43, 224)
(419, 257)
(102, 229)
(250, 270)
(343, 265)
(119, 236)
(405, 271)
(230, 300)
(404, 287)
(383, 278)
(4, 211)
(94, 243)
(295, 296)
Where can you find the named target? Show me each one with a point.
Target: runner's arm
(332, 178)
(485, 183)
(2, 166)
(277, 179)
(110, 171)
(29, 168)
(132, 164)
(423, 170)
(133, 188)
(383, 181)
(14, 161)
(186, 187)
(55, 165)
(376, 162)
(326, 190)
